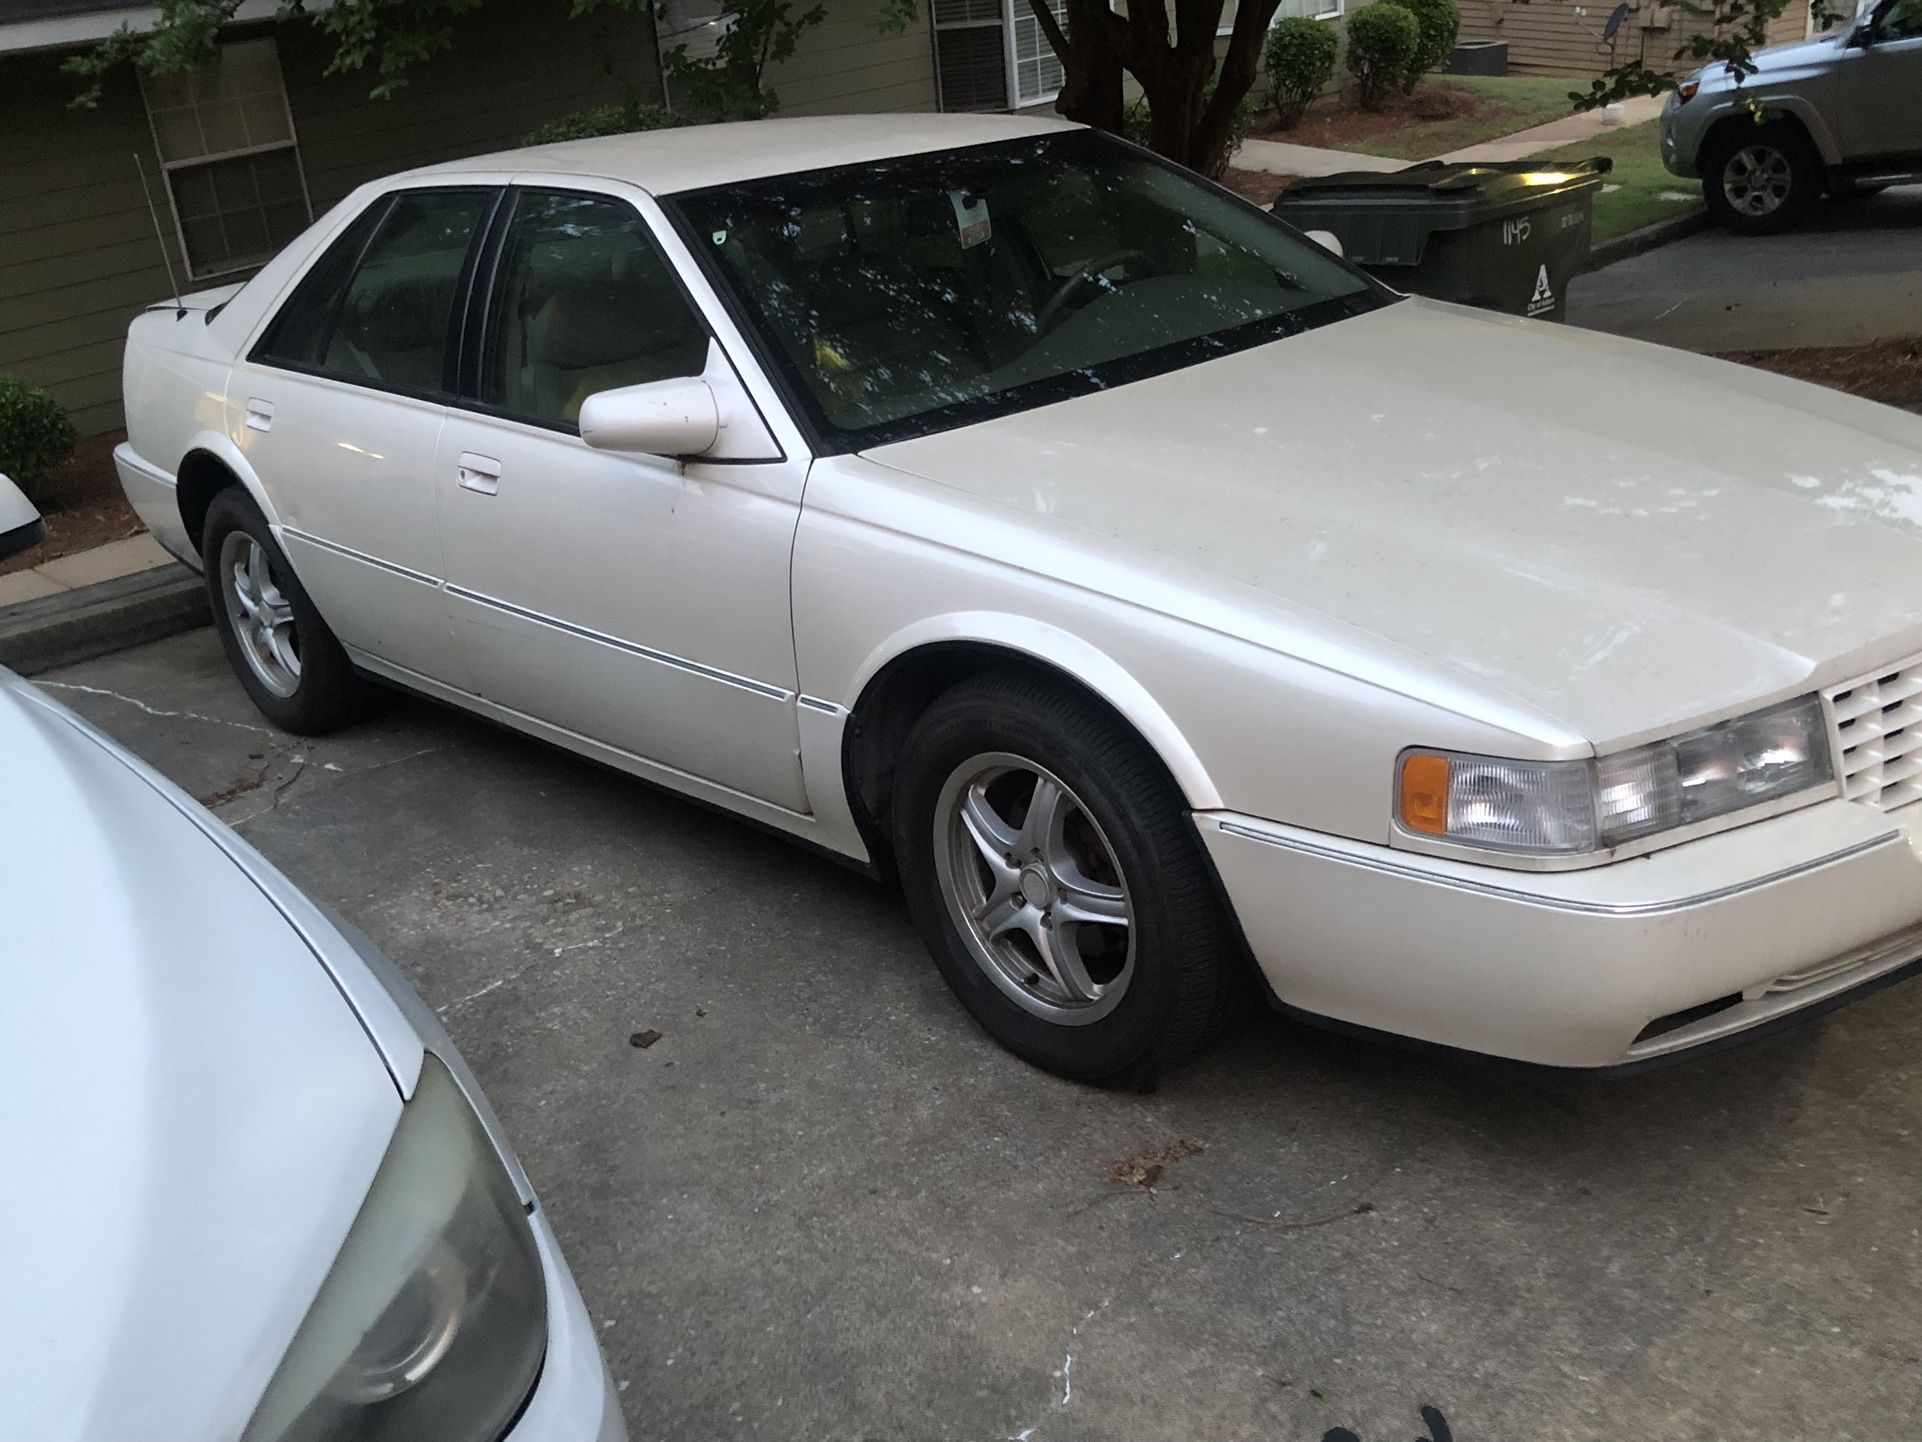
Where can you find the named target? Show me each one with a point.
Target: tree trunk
(1214, 135)
(1090, 54)
(1173, 66)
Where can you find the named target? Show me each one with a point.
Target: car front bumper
(1681, 138)
(575, 1399)
(1605, 967)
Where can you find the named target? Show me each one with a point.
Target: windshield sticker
(971, 221)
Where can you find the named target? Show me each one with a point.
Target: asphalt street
(1852, 275)
(822, 1205)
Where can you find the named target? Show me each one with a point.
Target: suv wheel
(1760, 179)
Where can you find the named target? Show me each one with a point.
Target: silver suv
(1840, 114)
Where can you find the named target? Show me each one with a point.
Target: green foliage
(1439, 22)
(1736, 29)
(731, 84)
(391, 36)
(35, 436)
(1382, 40)
(604, 120)
(1299, 58)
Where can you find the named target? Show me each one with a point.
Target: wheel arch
(213, 463)
(906, 677)
(1788, 109)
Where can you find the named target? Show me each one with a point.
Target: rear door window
(380, 310)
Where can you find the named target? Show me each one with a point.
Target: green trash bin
(1506, 237)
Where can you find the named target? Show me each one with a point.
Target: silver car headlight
(433, 1320)
(1566, 808)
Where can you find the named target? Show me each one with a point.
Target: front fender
(1734, 107)
(1064, 651)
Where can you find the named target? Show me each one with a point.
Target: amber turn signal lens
(1424, 794)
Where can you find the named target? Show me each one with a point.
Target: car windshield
(909, 295)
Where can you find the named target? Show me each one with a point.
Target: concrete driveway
(1852, 276)
(823, 1206)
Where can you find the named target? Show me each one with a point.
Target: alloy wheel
(1035, 889)
(261, 614)
(1757, 180)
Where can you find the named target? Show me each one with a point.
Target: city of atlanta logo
(1544, 297)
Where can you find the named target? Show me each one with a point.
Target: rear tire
(1760, 179)
(287, 660)
(1057, 879)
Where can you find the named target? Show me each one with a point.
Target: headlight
(1688, 88)
(1563, 808)
(433, 1321)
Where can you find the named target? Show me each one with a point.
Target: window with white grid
(994, 55)
(227, 148)
(1037, 69)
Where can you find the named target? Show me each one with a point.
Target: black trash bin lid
(1457, 193)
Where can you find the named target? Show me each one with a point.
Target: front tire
(290, 664)
(1057, 879)
(1760, 179)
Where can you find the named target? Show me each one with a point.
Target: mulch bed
(83, 506)
(1257, 186)
(1335, 122)
(1889, 371)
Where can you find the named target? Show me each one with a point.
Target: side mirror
(20, 524)
(660, 418)
(1328, 241)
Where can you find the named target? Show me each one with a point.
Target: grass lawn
(1638, 172)
(1445, 113)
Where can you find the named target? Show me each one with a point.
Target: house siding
(1547, 37)
(78, 255)
(845, 66)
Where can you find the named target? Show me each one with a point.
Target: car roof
(691, 157)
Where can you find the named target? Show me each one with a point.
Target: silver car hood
(1623, 537)
(190, 1112)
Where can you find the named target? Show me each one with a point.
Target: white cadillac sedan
(989, 503)
(254, 1193)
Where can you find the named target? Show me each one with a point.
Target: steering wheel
(1089, 274)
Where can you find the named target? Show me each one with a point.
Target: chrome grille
(1876, 724)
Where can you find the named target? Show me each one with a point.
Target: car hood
(189, 1111)
(1621, 537)
(1773, 61)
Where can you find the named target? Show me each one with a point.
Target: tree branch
(1050, 27)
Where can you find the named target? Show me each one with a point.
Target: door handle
(479, 473)
(260, 414)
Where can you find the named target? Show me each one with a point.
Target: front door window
(587, 303)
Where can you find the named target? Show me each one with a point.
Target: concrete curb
(95, 620)
(1647, 238)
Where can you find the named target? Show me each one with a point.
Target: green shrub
(1439, 22)
(604, 120)
(1382, 41)
(35, 437)
(1300, 56)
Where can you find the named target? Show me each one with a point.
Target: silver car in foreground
(1840, 114)
(255, 1193)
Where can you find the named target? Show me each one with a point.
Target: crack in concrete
(140, 705)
